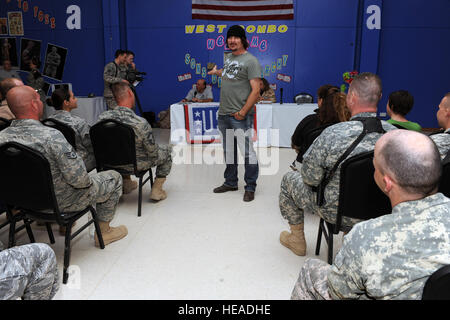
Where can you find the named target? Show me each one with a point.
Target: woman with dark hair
(266, 92)
(64, 101)
(312, 121)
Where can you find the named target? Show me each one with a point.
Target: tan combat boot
(294, 240)
(110, 234)
(157, 192)
(128, 185)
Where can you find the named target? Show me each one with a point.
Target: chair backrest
(303, 97)
(444, 185)
(113, 143)
(437, 286)
(26, 178)
(65, 129)
(308, 140)
(4, 123)
(359, 195)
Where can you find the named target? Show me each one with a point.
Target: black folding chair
(65, 129)
(114, 145)
(4, 123)
(437, 286)
(303, 97)
(444, 185)
(308, 140)
(359, 198)
(27, 185)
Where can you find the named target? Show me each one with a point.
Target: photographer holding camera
(132, 73)
(114, 72)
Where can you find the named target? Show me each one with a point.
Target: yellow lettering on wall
(210, 28)
(261, 29)
(282, 28)
(220, 28)
(272, 28)
(189, 29)
(251, 29)
(200, 28)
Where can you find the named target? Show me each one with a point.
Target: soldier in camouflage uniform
(114, 72)
(390, 257)
(297, 195)
(28, 272)
(148, 153)
(74, 187)
(64, 101)
(442, 140)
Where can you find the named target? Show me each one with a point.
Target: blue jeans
(237, 133)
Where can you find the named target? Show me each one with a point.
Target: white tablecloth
(275, 122)
(87, 108)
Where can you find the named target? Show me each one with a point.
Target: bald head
(25, 103)
(411, 159)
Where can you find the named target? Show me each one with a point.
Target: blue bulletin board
(404, 41)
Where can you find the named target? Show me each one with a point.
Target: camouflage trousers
(312, 281)
(162, 159)
(296, 197)
(28, 272)
(104, 194)
(111, 103)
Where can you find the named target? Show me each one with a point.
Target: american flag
(243, 10)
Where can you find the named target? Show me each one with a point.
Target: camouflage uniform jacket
(112, 73)
(392, 256)
(442, 141)
(82, 136)
(146, 149)
(326, 150)
(70, 179)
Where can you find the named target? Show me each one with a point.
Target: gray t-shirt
(236, 75)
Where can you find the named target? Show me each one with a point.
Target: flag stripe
(243, 10)
(242, 13)
(242, 18)
(241, 2)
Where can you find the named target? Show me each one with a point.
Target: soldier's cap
(236, 31)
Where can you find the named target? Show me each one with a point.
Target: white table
(87, 108)
(275, 122)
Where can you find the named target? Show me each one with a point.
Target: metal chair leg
(50, 232)
(67, 250)
(97, 229)
(140, 196)
(319, 237)
(330, 245)
(29, 231)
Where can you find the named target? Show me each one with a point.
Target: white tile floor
(193, 245)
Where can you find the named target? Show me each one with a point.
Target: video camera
(134, 75)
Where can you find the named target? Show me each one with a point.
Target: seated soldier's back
(144, 139)
(69, 174)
